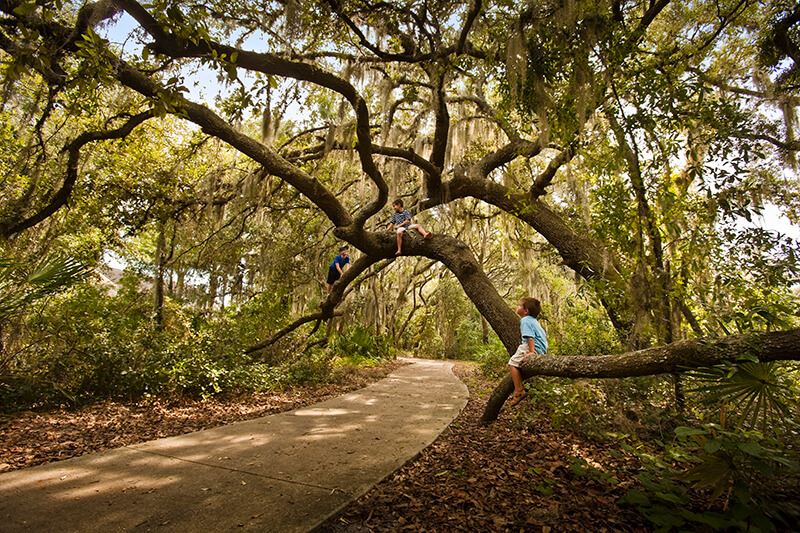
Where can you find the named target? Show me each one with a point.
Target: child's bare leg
(425, 234)
(516, 377)
(399, 242)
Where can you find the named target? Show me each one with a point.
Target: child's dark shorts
(333, 275)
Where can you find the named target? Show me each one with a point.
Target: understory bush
(713, 479)
(86, 344)
(358, 341)
(694, 475)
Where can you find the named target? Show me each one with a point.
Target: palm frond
(752, 392)
(19, 287)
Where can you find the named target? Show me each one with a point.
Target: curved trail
(284, 472)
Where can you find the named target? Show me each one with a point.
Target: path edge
(315, 528)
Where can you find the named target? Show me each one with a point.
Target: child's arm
(531, 346)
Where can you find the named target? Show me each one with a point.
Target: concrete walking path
(284, 472)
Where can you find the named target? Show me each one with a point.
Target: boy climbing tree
(401, 221)
(340, 263)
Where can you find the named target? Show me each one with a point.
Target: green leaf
(684, 431)
(712, 446)
(635, 497)
(751, 448)
(23, 10)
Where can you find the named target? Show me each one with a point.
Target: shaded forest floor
(30, 438)
(510, 476)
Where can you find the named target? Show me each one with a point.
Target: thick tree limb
(213, 124)
(60, 198)
(783, 40)
(410, 156)
(458, 258)
(579, 252)
(432, 181)
(505, 155)
(671, 358)
(471, 16)
(173, 46)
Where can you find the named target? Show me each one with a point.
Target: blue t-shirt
(530, 327)
(399, 218)
(341, 261)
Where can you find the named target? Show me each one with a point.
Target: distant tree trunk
(484, 331)
(224, 290)
(237, 287)
(213, 282)
(378, 307)
(180, 283)
(158, 282)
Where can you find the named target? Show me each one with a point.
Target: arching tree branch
(173, 46)
(471, 16)
(60, 197)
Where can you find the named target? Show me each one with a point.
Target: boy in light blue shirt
(533, 341)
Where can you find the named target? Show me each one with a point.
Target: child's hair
(398, 202)
(344, 248)
(532, 306)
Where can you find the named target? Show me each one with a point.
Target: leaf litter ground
(509, 476)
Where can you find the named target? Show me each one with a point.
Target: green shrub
(360, 341)
(720, 480)
(308, 369)
(581, 330)
(87, 345)
(492, 357)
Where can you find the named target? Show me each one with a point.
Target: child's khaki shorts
(518, 357)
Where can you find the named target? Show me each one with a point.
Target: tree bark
(675, 357)
(458, 258)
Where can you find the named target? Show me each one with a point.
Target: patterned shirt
(399, 218)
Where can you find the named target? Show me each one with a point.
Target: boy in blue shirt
(340, 263)
(401, 221)
(534, 341)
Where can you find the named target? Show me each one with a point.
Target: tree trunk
(213, 281)
(158, 282)
(180, 284)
